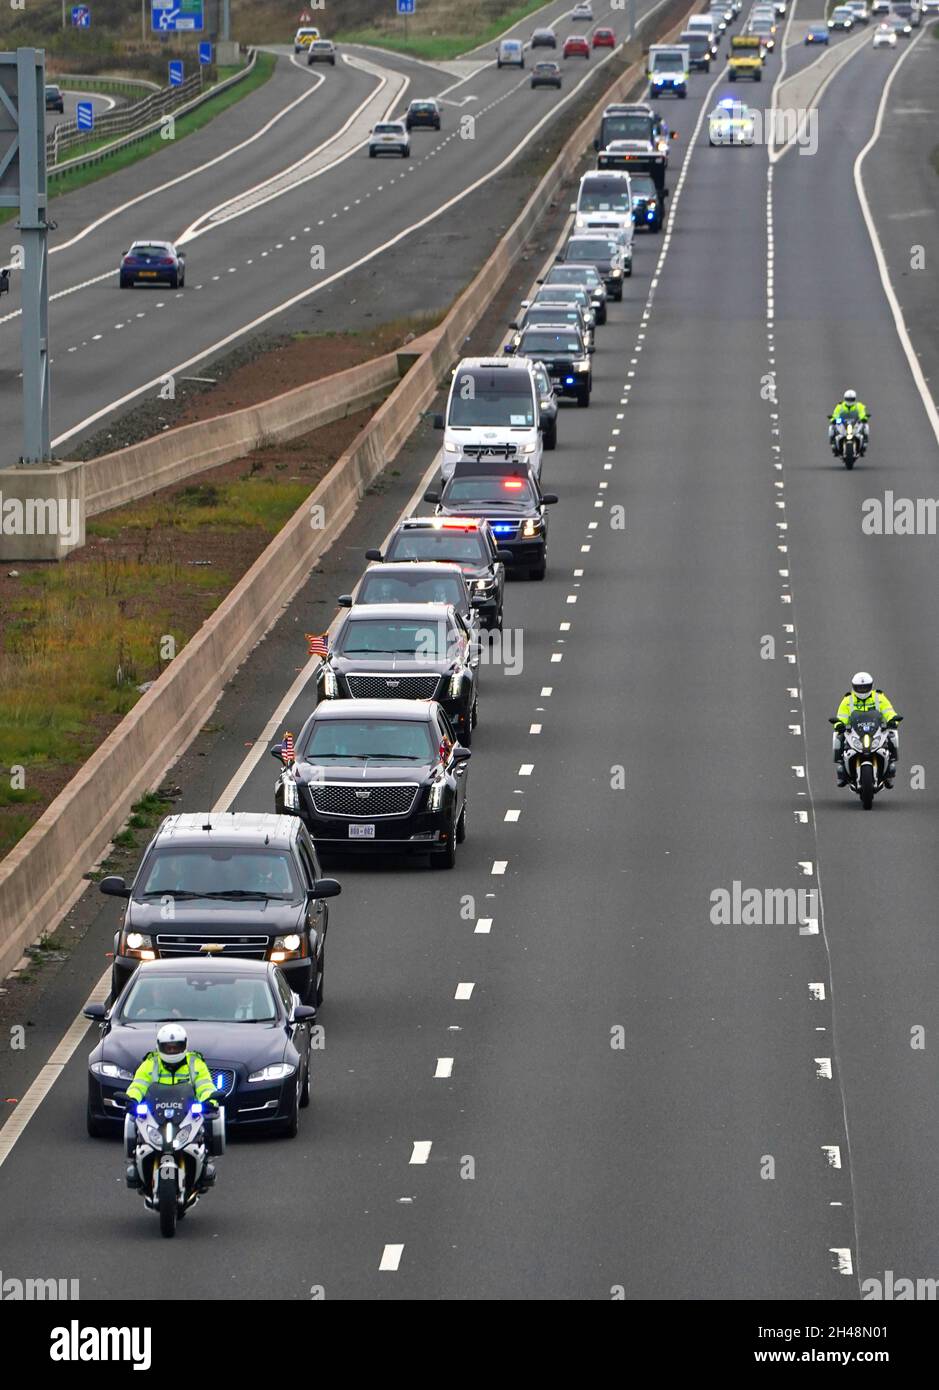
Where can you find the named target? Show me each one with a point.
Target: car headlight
(526, 448)
(112, 1071)
(290, 793)
(544, 405)
(330, 685)
(290, 946)
(435, 795)
(137, 944)
(456, 684)
(582, 365)
(452, 446)
(485, 585)
(532, 526)
(617, 271)
(279, 1071)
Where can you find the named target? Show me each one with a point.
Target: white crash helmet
(862, 683)
(850, 396)
(171, 1043)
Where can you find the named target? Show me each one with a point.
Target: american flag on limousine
(287, 749)
(316, 643)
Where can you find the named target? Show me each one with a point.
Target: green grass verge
(439, 47)
(130, 154)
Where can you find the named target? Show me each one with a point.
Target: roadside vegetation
(439, 30)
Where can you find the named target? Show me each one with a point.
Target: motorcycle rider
(172, 1064)
(863, 696)
(847, 403)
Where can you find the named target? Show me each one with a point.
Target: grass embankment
(441, 30)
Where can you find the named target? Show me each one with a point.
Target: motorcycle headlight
(184, 1135)
(112, 1071)
(137, 944)
(154, 1136)
(279, 1071)
(329, 684)
(290, 946)
(435, 796)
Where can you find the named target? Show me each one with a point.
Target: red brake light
(513, 483)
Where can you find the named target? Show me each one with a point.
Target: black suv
(547, 406)
(509, 497)
(424, 111)
(381, 775)
(468, 543)
(701, 49)
(412, 651)
(588, 278)
(549, 311)
(226, 884)
(612, 259)
(564, 354)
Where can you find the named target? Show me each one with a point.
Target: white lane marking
(261, 743)
(809, 927)
(483, 926)
(843, 1262)
(512, 816)
(391, 1258)
(833, 1153)
(444, 1069)
(499, 866)
(420, 1151)
(899, 323)
(464, 990)
(534, 729)
(547, 690)
(776, 155)
(823, 1065)
(557, 656)
(526, 769)
(817, 989)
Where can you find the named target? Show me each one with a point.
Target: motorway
(251, 254)
(765, 1130)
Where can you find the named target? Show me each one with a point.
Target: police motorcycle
(170, 1137)
(866, 752)
(850, 437)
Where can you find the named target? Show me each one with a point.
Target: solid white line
(899, 322)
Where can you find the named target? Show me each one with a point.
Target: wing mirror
(373, 555)
(345, 600)
(326, 888)
(96, 1012)
(304, 1013)
(114, 887)
(431, 495)
(549, 498)
(459, 754)
(505, 555)
(438, 422)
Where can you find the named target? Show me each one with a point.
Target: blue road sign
(205, 53)
(85, 115)
(405, 6)
(177, 16)
(81, 17)
(176, 74)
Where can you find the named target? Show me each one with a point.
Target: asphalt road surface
(650, 1101)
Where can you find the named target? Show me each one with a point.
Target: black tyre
(319, 986)
(466, 729)
(124, 283)
(539, 571)
(305, 1089)
(732, 76)
(445, 858)
(174, 282)
(371, 154)
(583, 396)
(866, 786)
(461, 826)
(475, 714)
(549, 437)
(97, 1129)
(848, 453)
(290, 1127)
(166, 1197)
(759, 77)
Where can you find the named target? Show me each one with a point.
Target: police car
(731, 123)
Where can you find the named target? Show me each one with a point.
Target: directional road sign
(405, 6)
(81, 17)
(205, 53)
(177, 16)
(85, 115)
(176, 74)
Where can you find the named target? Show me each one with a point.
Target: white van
(493, 411)
(604, 199)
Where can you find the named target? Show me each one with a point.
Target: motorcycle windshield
(170, 1104)
(850, 417)
(866, 721)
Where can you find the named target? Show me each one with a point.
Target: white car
(885, 36)
(389, 137)
(731, 123)
(584, 11)
(841, 18)
(858, 8)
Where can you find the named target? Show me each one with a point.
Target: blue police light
(728, 101)
(218, 1082)
(197, 1107)
(650, 216)
(141, 1109)
(501, 530)
(568, 381)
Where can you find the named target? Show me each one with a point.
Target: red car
(576, 46)
(604, 38)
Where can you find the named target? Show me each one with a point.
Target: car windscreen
(635, 127)
(552, 314)
(507, 491)
(208, 870)
(143, 249)
(563, 294)
(423, 106)
(417, 637)
(604, 195)
(543, 343)
(697, 42)
(404, 588)
(573, 275)
(499, 399)
(459, 547)
(386, 129)
(199, 997)
(590, 251)
(668, 62)
(409, 740)
(643, 186)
